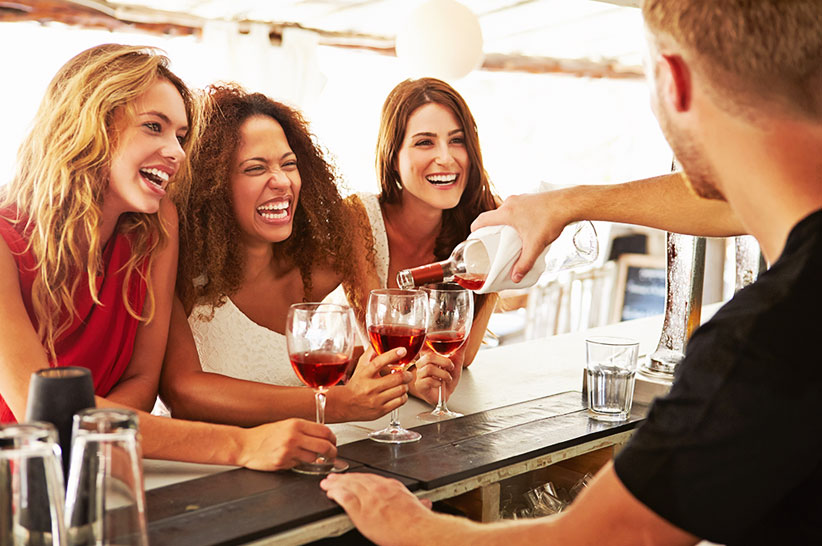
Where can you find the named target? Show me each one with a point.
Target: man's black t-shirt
(733, 453)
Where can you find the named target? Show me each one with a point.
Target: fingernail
(401, 351)
(517, 277)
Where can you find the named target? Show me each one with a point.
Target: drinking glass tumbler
(611, 364)
(105, 496)
(31, 486)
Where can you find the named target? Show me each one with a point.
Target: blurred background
(556, 87)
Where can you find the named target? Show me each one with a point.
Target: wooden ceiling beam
(99, 14)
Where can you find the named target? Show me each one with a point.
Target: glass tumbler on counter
(611, 364)
(105, 493)
(31, 485)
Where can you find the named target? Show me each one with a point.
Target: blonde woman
(88, 253)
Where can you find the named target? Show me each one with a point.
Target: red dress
(101, 337)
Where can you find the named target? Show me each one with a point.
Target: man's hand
(369, 394)
(281, 445)
(538, 218)
(381, 508)
(434, 370)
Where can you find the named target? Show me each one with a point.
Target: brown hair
(211, 261)
(478, 196)
(61, 178)
(753, 52)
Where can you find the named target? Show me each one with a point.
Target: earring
(398, 183)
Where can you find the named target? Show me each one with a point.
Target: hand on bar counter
(281, 445)
(380, 507)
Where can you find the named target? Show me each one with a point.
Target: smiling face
(265, 182)
(148, 151)
(433, 161)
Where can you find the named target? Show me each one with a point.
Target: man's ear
(677, 83)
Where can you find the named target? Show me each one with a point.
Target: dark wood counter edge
(524, 456)
(241, 505)
(238, 506)
(435, 464)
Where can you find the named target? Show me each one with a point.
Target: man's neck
(771, 177)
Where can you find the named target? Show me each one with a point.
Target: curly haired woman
(264, 227)
(88, 253)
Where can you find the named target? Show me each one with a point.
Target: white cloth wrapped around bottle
(496, 251)
(498, 248)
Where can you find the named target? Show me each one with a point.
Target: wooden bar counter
(525, 420)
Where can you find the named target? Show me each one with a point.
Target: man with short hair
(733, 453)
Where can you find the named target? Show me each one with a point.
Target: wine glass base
(320, 469)
(395, 435)
(438, 414)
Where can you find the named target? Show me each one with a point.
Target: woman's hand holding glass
(434, 371)
(370, 393)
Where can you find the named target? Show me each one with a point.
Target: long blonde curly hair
(62, 174)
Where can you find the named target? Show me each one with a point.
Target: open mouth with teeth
(442, 179)
(155, 176)
(275, 210)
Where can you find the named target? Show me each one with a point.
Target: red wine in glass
(396, 319)
(320, 368)
(445, 343)
(470, 281)
(384, 338)
(449, 317)
(320, 341)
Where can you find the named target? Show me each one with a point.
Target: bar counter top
(524, 411)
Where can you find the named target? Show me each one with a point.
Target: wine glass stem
(319, 398)
(440, 401)
(395, 418)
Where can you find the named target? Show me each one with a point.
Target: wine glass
(396, 318)
(320, 339)
(450, 313)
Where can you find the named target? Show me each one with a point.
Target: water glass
(31, 486)
(611, 364)
(105, 495)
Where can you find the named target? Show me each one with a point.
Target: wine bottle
(483, 262)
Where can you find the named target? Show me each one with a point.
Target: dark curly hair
(211, 265)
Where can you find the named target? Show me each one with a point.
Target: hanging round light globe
(441, 39)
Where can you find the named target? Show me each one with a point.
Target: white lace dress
(234, 345)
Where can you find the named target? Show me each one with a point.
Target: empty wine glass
(396, 318)
(450, 313)
(320, 339)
